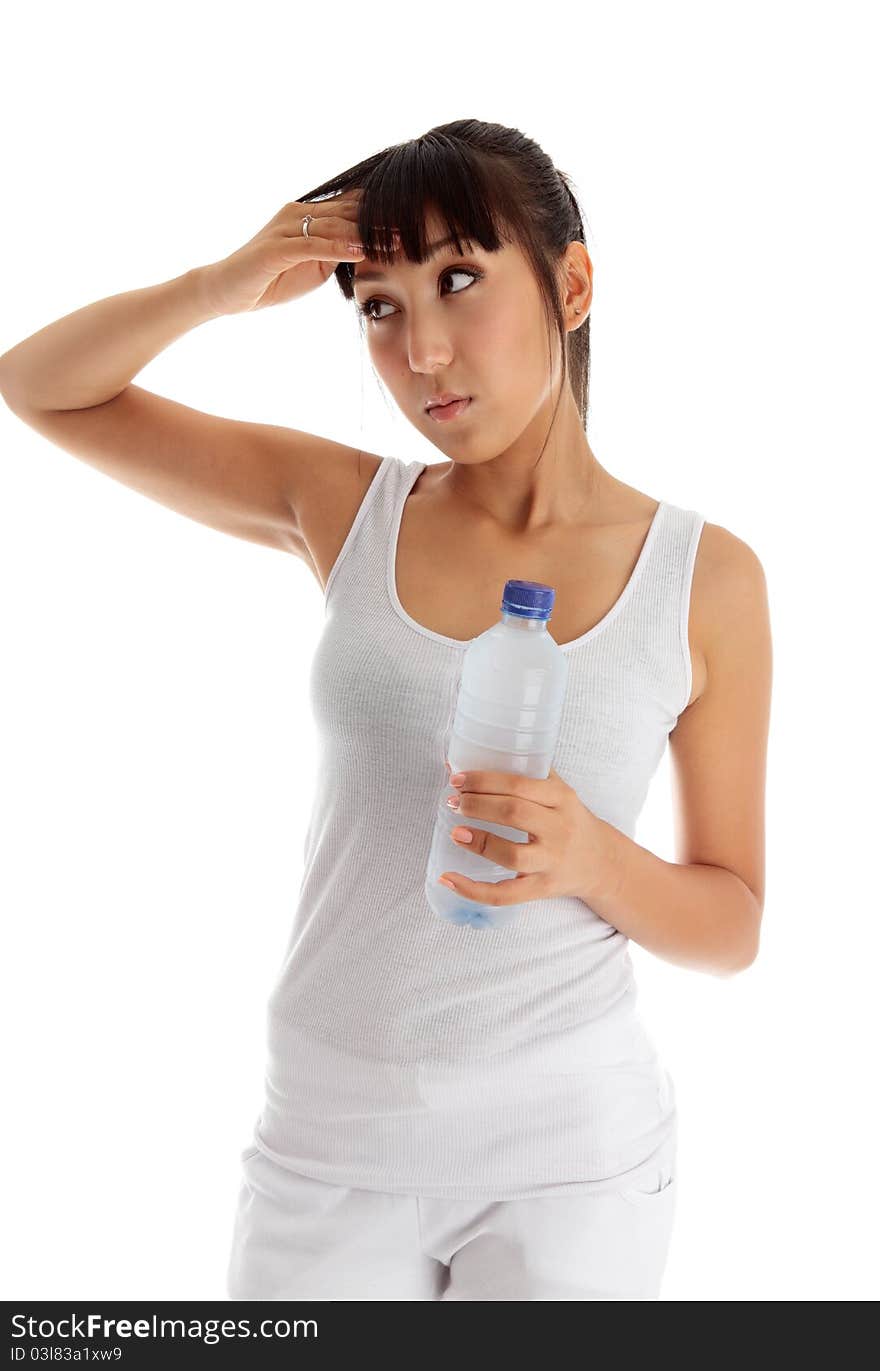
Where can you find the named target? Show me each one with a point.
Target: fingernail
(463, 835)
(457, 779)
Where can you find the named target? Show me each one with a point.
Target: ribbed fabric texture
(411, 1055)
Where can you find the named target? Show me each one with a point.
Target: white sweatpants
(300, 1238)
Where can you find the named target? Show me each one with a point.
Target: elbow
(747, 960)
(748, 948)
(743, 951)
(739, 960)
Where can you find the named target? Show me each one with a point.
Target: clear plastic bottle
(507, 717)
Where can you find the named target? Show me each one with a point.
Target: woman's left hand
(564, 854)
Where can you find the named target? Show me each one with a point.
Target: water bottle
(507, 717)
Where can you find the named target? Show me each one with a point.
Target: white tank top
(410, 1054)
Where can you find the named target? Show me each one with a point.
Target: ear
(578, 282)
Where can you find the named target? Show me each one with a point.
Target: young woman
(456, 1113)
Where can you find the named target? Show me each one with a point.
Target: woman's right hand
(278, 264)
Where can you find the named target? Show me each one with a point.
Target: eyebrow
(433, 249)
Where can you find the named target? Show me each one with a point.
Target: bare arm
(265, 483)
(89, 356)
(705, 910)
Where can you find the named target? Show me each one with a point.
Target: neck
(523, 493)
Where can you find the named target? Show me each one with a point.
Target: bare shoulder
(728, 599)
(327, 498)
(719, 744)
(727, 571)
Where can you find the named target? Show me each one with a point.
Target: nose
(429, 345)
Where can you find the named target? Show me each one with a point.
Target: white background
(157, 752)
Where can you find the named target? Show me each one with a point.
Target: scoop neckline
(410, 477)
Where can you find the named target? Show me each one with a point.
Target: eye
(366, 308)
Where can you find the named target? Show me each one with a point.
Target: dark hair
(490, 184)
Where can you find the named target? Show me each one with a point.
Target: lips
(445, 399)
(442, 414)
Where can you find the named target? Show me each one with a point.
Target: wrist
(602, 880)
(197, 282)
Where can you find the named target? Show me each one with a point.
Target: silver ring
(305, 229)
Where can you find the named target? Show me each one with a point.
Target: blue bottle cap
(529, 599)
